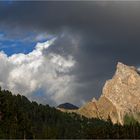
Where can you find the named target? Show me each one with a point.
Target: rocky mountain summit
(120, 97)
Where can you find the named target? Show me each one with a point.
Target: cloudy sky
(64, 51)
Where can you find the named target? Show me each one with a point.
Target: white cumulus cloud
(37, 71)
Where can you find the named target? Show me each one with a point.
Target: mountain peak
(124, 70)
(120, 96)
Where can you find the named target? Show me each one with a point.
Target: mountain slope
(23, 119)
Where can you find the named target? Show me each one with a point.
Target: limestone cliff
(121, 96)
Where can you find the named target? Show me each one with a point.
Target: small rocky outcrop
(67, 107)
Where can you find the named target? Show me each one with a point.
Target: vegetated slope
(20, 118)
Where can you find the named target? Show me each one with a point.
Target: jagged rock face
(89, 110)
(121, 96)
(102, 109)
(124, 89)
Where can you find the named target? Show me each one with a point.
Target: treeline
(22, 119)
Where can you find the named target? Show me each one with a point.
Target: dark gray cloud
(108, 32)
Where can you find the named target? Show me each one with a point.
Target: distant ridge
(120, 97)
(67, 106)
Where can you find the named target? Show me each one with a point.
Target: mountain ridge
(120, 96)
(24, 119)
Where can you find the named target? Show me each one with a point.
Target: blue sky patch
(23, 43)
(14, 47)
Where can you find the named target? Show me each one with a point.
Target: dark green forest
(21, 118)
